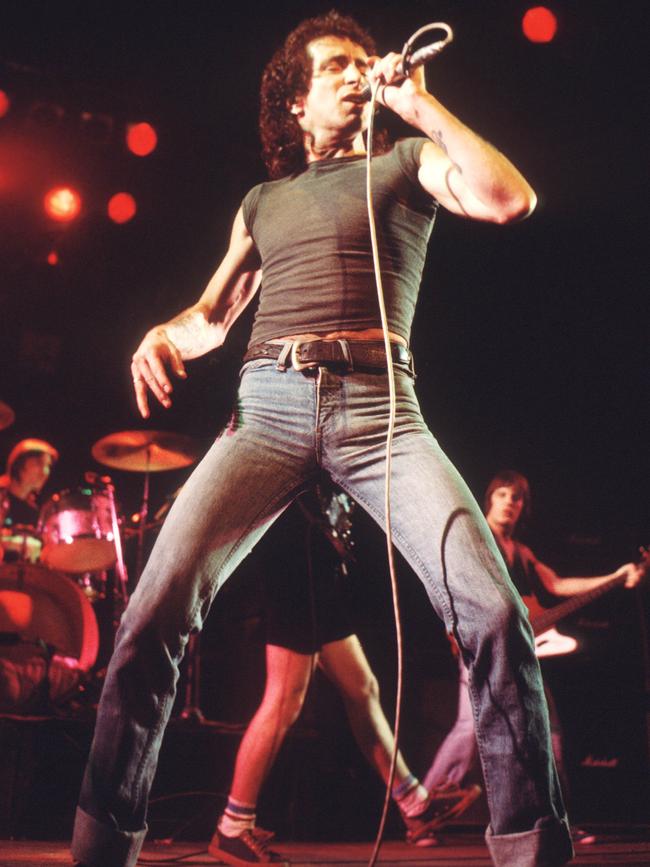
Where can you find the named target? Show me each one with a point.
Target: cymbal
(7, 415)
(143, 451)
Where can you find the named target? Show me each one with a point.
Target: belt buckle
(295, 361)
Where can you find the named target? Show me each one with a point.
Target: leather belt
(342, 354)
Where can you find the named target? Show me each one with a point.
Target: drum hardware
(149, 452)
(166, 506)
(7, 415)
(145, 452)
(120, 565)
(134, 532)
(144, 512)
(92, 584)
(191, 711)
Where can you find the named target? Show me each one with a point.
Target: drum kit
(54, 574)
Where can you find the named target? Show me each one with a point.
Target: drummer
(28, 468)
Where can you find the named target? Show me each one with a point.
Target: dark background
(530, 340)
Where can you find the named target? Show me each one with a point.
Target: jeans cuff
(99, 845)
(548, 844)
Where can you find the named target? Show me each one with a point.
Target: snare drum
(76, 529)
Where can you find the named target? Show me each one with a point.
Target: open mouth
(358, 98)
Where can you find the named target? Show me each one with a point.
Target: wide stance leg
(439, 528)
(213, 524)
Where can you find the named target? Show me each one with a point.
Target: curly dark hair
(288, 75)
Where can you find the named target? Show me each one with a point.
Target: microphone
(417, 58)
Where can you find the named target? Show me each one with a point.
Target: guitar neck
(551, 616)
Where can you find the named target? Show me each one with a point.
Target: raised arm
(201, 327)
(466, 174)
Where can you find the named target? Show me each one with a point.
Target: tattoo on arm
(436, 138)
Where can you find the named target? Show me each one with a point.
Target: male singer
(314, 396)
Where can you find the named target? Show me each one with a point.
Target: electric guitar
(330, 510)
(550, 642)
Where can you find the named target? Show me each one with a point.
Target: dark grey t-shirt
(311, 231)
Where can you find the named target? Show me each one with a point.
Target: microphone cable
(390, 372)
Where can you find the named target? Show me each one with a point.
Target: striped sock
(411, 796)
(236, 818)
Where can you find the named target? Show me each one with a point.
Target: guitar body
(535, 610)
(554, 643)
(550, 642)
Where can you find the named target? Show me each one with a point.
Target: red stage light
(53, 258)
(141, 139)
(5, 103)
(122, 207)
(62, 204)
(539, 24)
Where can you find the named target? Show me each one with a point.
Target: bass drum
(76, 528)
(48, 637)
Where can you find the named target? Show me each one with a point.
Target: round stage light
(141, 139)
(62, 204)
(5, 103)
(122, 207)
(539, 24)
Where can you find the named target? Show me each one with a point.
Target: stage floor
(459, 850)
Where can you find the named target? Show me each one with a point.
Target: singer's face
(338, 76)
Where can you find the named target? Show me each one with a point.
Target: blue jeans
(457, 754)
(287, 427)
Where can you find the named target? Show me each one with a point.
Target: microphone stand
(191, 711)
(120, 565)
(144, 511)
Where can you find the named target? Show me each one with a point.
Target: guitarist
(507, 501)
